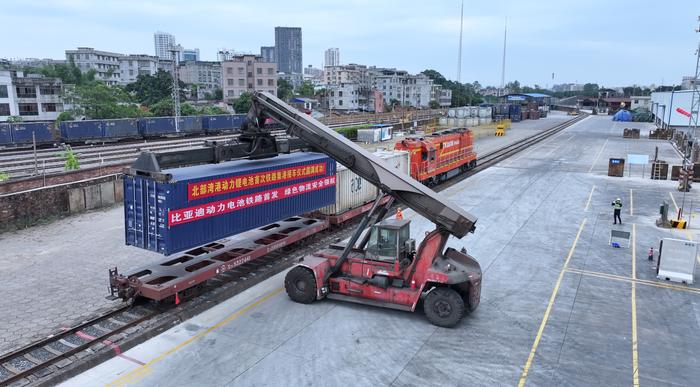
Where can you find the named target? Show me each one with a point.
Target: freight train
(96, 131)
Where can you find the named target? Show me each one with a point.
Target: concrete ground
(560, 306)
(55, 275)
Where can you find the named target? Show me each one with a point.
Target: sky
(612, 43)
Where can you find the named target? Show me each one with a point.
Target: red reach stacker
(380, 264)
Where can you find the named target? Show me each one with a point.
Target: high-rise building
(105, 63)
(163, 42)
(332, 57)
(288, 49)
(190, 54)
(268, 53)
(247, 73)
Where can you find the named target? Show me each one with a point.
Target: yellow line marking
(598, 156)
(631, 203)
(142, 371)
(543, 324)
(635, 342)
(637, 281)
(590, 196)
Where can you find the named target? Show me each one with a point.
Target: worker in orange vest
(399, 214)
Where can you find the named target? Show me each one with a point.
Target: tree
(434, 104)
(211, 110)
(151, 89)
(591, 89)
(68, 73)
(306, 89)
(285, 90)
(242, 104)
(218, 94)
(12, 119)
(65, 116)
(513, 87)
(462, 94)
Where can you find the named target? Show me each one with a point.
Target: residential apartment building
(206, 75)
(163, 43)
(331, 57)
(105, 63)
(247, 73)
(403, 88)
(131, 66)
(445, 97)
(30, 96)
(268, 53)
(288, 47)
(343, 96)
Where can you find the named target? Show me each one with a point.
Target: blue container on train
(22, 132)
(156, 126)
(122, 128)
(5, 134)
(222, 123)
(81, 130)
(190, 124)
(200, 204)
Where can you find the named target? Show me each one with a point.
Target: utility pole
(503, 63)
(692, 124)
(175, 52)
(459, 55)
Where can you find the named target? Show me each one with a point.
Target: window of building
(229, 70)
(240, 70)
(259, 82)
(340, 93)
(229, 93)
(26, 92)
(636, 101)
(4, 109)
(250, 85)
(258, 71)
(3, 91)
(269, 71)
(49, 107)
(270, 82)
(340, 102)
(229, 82)
(28, 109)
(241, 82)
(250, 74)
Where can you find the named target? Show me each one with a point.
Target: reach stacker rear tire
(300, 285)
(443, 307)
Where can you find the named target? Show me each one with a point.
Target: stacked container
(43, 132)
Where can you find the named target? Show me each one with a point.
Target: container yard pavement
(559, 305)
(55, 275)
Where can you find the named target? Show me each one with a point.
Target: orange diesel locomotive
(439, 156)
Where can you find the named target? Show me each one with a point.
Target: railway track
(39, 361)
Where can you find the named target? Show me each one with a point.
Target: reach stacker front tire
(443, 307)
(300, 285)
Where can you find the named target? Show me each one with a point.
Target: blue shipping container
(22, 132)
(81, 130)
(514, 110)
(190, 124)
(201, 204)
(149, 127)
(123, 128)
(5, 134)
(218, 123)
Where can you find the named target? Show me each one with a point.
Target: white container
(461, 112)
(352, 191)
(473, 111)
(461, 122)
(473, 122)
(452, 112)
(442, 121)
(451, 121)
(484, 121)
(369, 135)
(485, 112)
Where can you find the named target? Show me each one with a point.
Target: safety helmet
(618, 200)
